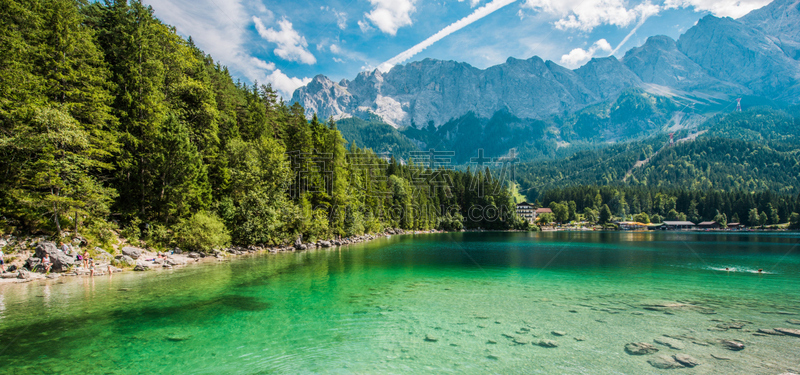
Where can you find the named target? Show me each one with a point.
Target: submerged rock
(559, 333)
(793, 321)
(686, 360)
(547, 344)
(670, 343)
(732, 345)
(640, 348)
(768, 331)
(177, 338)
(431, 338)
(789, 331)
(141, 267)
(664, 362)
(731, 325)
(520, 341)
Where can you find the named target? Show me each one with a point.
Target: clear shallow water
(368, 308)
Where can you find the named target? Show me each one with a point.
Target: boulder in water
(547, 344)
(670, 343)
(789, 331)
(686, 360)
(640, 348)
(141, 267)
(732, 345)
(664, 362)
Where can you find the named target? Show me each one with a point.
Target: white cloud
(580, 56)
(286, 84)
(260, 7)
(217, 27)
(472, 3)
(364, 26)
(584, 15)
(390, 15)
(458, 25)
(341, 17)
(335, 49)
(261, 64)
(728, 8)
(291, 45)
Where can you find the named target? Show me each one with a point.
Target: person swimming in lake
(760, 270)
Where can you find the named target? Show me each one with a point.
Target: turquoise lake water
(368, 308)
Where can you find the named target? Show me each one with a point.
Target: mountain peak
(717, 57)
(780, 20)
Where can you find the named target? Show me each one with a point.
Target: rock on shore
(61, 261)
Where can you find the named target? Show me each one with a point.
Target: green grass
(518, 197)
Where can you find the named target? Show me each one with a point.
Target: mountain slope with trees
(110, 120)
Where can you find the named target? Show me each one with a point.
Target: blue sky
(286, 43)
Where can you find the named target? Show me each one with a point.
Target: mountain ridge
(431, 91)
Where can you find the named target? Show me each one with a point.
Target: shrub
(131, 232)
(204, 231)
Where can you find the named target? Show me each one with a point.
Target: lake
(433, 303)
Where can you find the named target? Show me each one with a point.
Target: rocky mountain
(718, 58)
(733, 52)
(660, 62)
(780, 21)
(436, 91)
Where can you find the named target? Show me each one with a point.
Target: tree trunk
(55, 216)
(76, 223)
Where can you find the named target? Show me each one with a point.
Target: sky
(286, 43)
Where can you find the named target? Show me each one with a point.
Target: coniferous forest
(110, 121)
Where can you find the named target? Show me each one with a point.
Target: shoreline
(150, 261)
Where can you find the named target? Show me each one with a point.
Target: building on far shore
(540, 211)
(678, 225)
(631, 225)
(735, 226)
(709, 225)
(526, 211)
(529, 212)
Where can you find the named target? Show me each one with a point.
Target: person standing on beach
(86, 259)
(2, 262)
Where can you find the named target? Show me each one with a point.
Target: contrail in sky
(458, 25)
(645, 16)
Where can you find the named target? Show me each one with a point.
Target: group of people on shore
(86, 260)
